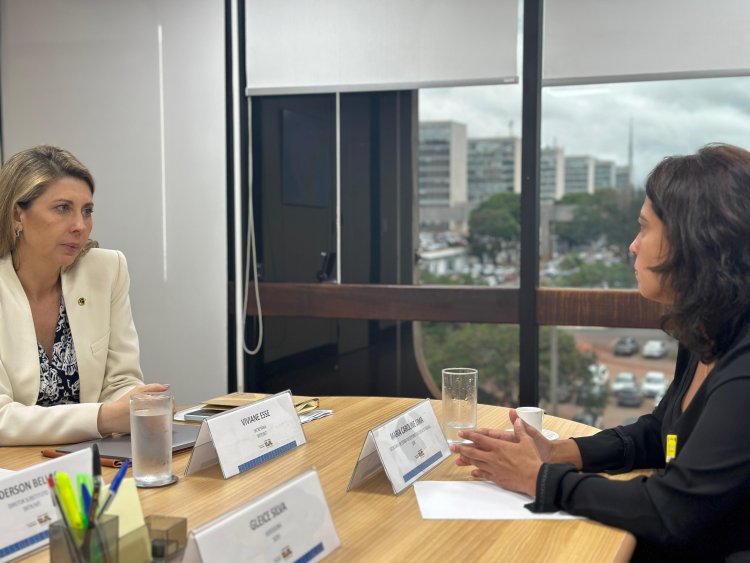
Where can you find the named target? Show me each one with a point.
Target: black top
(60, 383)
(697, 506)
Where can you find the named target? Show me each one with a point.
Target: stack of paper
(302, 405)
(314, 415)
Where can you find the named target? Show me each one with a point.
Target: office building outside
(579, 175)
(604, 174)
(551, 174)
(443, 204)
(494, 166)
(442, 164)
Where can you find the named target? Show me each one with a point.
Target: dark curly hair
(703, 200)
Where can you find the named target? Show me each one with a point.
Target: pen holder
(99, 544)
(168, 536)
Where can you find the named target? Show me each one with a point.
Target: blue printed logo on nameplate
(422, 467)
(310, 555)
(265, 457)
(26, 542)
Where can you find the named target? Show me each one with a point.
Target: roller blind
(303, 46)
(597, 41)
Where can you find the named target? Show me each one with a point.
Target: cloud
(669, 117)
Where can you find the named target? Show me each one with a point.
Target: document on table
(5, 472)
(476, 500)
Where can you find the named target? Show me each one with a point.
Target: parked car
(599, 374)
(654, 383)
(625, 346)
(630, 397)
(624, 380)
(655, 349)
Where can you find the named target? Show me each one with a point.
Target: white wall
(86, 75)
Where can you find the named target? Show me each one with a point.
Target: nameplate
(289, 523)
(244, 437)
(26, 508)
(406, 446)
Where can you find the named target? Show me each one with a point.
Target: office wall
(144, 109)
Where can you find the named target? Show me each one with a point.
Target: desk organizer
(101, 545)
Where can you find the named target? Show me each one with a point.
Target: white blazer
(98, 307)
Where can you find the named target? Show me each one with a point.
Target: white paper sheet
(475, 500)
(314, 415)
(5, 471)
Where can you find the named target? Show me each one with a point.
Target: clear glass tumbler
(459, 402)
(151, 438)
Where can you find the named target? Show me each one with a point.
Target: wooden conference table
(374, 524)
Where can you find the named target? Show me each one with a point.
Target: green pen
(81, 480)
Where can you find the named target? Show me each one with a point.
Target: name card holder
(26, 509)
(407, 446)
(244, 437)
(289, 523)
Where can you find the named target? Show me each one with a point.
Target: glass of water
(151, 439)
(459, 402)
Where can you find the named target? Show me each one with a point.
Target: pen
(97, 486)
(85, 504)
(91, 513)
(84, 482)
(114, 486)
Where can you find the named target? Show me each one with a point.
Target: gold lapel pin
(81, 301)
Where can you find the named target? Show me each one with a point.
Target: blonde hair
(24, 177)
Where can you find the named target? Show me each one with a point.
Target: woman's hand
(115, 416)
(509, 459)
(544, 446)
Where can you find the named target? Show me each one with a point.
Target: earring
(18, 232)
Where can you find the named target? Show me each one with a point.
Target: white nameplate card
(290, 523)
(26, 508)
(242, 438)
(406, 446)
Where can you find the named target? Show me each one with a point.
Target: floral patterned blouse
(60, 383)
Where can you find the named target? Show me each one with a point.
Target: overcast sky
(674, 117)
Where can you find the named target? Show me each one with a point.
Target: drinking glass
(151, 438)
(459, 402)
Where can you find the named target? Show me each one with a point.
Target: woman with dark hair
(692, 254)
(69, 354)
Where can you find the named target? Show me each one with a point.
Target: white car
(599, 374)
(655, 349)
(654, 383)
(624, 380)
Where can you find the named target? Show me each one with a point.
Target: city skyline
(669, 117)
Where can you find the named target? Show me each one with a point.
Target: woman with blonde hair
(69, 356)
